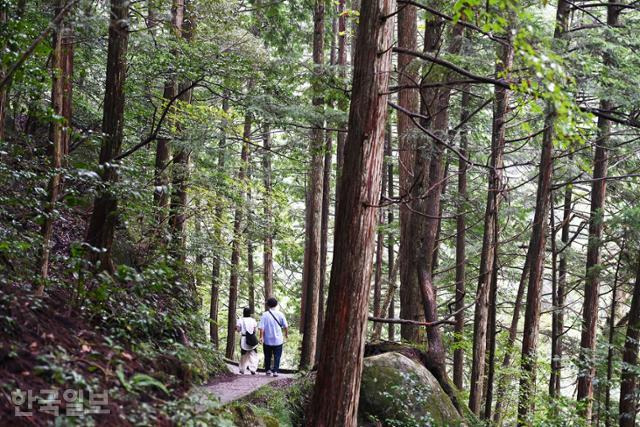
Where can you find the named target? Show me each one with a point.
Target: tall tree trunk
(105, 206)
(612, 334)
(596, 220)
(237, 237)
(629, 375)
(377, 277)
(537, 249)
(492, 331)
(407, 99)
(558, 310)
(429, 175)
(66, 64)
(461, 260)
(217, 227)
(161, 193)
(251, 283)
(534, 289)
(555, 333)
(181, 162)
(3, 70)
(490, 239)
(57, 134)
(343, 104)
(337, 387)
(505, 379)
(267, 254)
(312, 261)
(324, 232)
(388, 152)
(161, 173)
(179, 203)
(326, 194)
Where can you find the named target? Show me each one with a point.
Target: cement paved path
(236, 386)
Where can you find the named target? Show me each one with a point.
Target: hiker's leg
(277, 350)
(253, 361)
(267, 357)
(243, 361)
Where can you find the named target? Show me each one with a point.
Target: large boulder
(398, 391)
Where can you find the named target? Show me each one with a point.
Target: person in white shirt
(248, 353)
(272, 324)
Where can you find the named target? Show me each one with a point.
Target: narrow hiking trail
(236, 386)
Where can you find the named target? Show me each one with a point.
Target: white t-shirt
(247, 324)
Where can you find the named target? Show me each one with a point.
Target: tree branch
(153, 135)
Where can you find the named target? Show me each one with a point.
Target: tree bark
(337, 388)
(105, 206)
(629, 375)
(504, 380)
(377, 277)
(492, 330)
(237, 237)
(537, 249)
(408, 100)
(388, 152)
(312, 261)
(587, 368)
(558, 310)
(57, 150)
(267, 254)
(612, 334)
(3, 71)
(343, 104)
(534, 289)
(490, 239)
(217, 227)
(324, 232)
(461, 259)
(181, 161)
(429, 181)
(251, 283)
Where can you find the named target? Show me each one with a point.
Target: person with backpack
(248, 342)
(272, 324)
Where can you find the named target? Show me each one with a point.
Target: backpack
(250, 338)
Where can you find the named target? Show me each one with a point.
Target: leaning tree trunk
(311, 268)
(629, 375)
(337, 388)
(408, 100)
(596, 220)
(105, 206)
(237, 238)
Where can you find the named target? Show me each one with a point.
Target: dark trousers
(276, 352)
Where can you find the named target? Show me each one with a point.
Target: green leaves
(139, 382)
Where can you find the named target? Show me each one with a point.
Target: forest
(425, 210)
